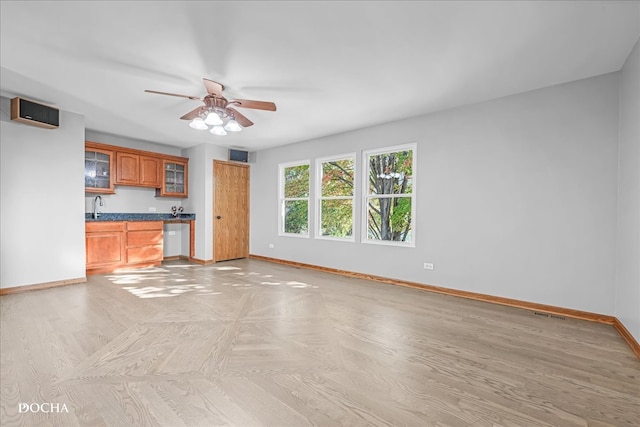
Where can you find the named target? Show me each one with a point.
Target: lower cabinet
(114, 245)
(105, 244)
(144, 242)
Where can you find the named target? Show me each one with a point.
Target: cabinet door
(174, 179)
(98, 171)
(127, 167)
(150, 172)
(104, 248)
(144, 242)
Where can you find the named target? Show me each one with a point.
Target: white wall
(627, 285)
(201, 194)
(41, 201)
(516, 197)
(142, 200)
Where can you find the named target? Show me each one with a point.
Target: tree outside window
(335, 194)
(294, 198)
(390, 195)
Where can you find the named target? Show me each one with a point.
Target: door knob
(218, 217)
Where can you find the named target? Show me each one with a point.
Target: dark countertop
(167, 217)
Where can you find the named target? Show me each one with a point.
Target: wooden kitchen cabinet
(144, 242)
(150, 172)
(99, 169)
(112, 245)
(174, 178)
(105, 245)
(137, 170)
(110, 165)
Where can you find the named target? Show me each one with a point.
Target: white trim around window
(376, 227)
(347, 197)
(293, 201)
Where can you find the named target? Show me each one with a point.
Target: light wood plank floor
(250, 343)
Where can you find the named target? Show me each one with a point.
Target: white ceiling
(329, 66)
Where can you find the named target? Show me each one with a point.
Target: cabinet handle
(218, 217)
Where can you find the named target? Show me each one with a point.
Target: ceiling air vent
(34, 113)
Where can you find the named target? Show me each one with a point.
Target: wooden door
(230, 210)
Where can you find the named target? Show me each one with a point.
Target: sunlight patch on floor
(180, 266)
(169, 291)
(129, 279)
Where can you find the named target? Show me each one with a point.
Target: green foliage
(390, 189)
(296, 181)
(400, 216)
(296, 216)
(337, 213)
(337, 218)
(390, 217)
(337, 178)
(391, 173)
(296, 212)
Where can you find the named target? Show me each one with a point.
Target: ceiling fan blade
(257, 105)
(192, 114)
(242, 120)
(173, 94)
(213, 88)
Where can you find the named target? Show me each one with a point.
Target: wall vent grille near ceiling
(34, 113)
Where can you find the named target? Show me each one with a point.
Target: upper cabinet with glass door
(98, 170)
(174, 179)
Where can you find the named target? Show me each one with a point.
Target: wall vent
(34, 113)
(551, 316)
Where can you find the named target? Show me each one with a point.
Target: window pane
(296, 216)
(391, 173)
(102, 169)
(337, 218)
(296, 181)
(89, 169)
(102, 182)
(389, 219)
(103, 157)
(337, 178)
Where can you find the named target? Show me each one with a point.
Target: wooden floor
(250, 343)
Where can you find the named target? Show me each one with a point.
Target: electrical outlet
(271, 245)
(172, 233)
(152, 209)
(428, 266)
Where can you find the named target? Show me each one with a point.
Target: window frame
(364, 236)
(282, 200)
(319, 197)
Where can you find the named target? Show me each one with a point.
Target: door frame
(213, 210)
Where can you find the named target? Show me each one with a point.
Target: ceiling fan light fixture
(218, 112)
(213, 119)
(198, 124)
(233, 126)
(218, 130)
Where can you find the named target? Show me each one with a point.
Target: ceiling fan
(218, 110)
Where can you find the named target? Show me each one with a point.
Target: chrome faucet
(96, 214)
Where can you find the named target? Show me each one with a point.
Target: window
(389, 195)
(335, 193)
(294, 199)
